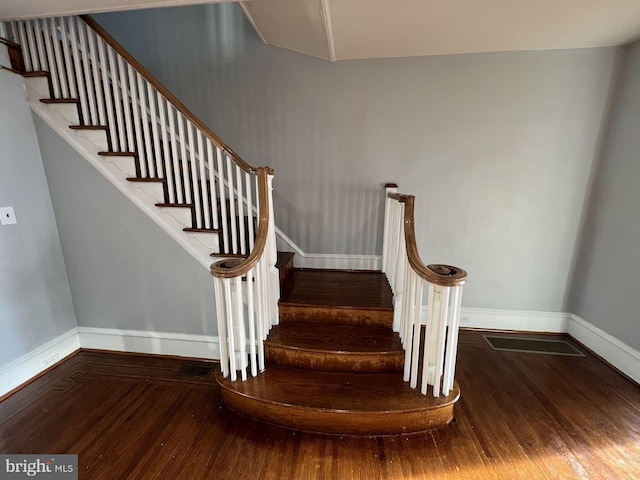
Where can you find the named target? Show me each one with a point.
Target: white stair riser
(68, 111)
(126, 164)
(97, 137)
(182, 215)
(208, 239)
(39, 86)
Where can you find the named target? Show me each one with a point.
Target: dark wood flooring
(521, 416)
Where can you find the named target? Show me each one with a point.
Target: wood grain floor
(521, 416)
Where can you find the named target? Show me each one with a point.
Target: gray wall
(35, 301)
(498, 147)
(605, 286)
(124, 271)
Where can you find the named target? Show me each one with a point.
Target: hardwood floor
(521, 416)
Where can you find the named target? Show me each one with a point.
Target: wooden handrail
(167, 94)
(238, 267)
(443, 275)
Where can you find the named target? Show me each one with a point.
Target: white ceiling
(23, 9)
(349, 29)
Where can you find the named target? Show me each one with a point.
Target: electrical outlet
(7, 216)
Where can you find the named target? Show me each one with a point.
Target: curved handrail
(443, 275)
(237, 267)
(167, 94)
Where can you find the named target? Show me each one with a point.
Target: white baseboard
(157, 343)
(36, 361)
(517, 320)
(617, 353)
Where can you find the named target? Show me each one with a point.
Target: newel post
(388, 188)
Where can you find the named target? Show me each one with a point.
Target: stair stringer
(144, 196)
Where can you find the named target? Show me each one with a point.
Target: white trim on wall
(26, 367)
(517, 320)
(617, 353)
(156, 343)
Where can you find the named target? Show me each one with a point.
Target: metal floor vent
(529, 345)
(194, 370)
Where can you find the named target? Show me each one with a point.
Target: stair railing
(430, 356)
(169, 144)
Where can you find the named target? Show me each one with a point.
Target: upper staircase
(341, 352)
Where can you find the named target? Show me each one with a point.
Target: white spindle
(408, 343)
(204, 191)
(126, 106)
(426, 355)
(77, 65)
(260, 323)
(241, 219)
(193, 161)
(155, 140)
(186, 182)
(222, 325)
(230, 330)
(232, 208)
(212, 183)
(40, 46)
(251, 320)
(179, 184)
(442, 331)
(57, 70)
(108, 93)
(26, 47)
(136, 121)
(85, 62)
(222, 200)
(144, 119)
(248, 178)
(64, 33)
(452, 340)
(165, 148)
(96, 80)
(117, 129)
(242, 337)
(414, 313)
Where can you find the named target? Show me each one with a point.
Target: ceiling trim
(252, 21)
(325, 12)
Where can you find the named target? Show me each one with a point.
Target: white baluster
(248, 178)
(179, 183)
(26, 46)
(95, 73)
(33, 46)
(232, 208)
(144, 120)
(171, 183)
(442, 331)
(56, 56)
(117, 130)
(144, 172)
(193, 161)
(204, 191)
(222, 326)
(77, 64)
(42, 58)
(251, 321)
(452, 340)
(155, 139)
(126, 106)
(416, 310)
(242, 336)
(261, 312)
(222, 200)
(92, 118)
(64, 32)
(230, 331)
(183, 158)
(212, 182)
(241, 219)
(107, 93)
(426, 354)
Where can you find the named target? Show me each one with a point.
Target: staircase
(334, 364)
(327, 351)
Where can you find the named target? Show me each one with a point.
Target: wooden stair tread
(88, 127)
(336, 402)
(284, 259)
(118, 154)
(335, 288)
(59, 100)
(342, 339)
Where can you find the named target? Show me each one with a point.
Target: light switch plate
(7, 216)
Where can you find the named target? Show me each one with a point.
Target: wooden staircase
(334, 365)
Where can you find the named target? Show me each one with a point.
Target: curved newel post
(247, 294)
(426, 296)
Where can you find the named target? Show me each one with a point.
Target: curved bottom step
(336, 402)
